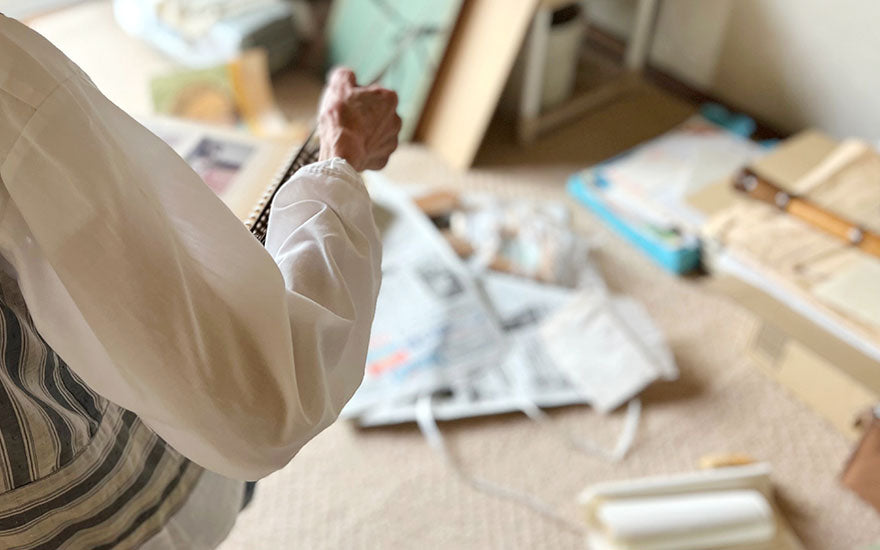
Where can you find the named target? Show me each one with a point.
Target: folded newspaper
(490, 343)
(433, 327)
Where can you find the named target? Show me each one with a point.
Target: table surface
(385, 488)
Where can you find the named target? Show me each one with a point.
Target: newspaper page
(237, 166)
(525, 375)
(565, 347)
(433, 325)
(608, 347)
(560, 346)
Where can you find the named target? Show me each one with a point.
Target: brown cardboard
(794, 157)
(480, 56)
(862, 472)
(835, 379)
(787, 163)
(714, 198)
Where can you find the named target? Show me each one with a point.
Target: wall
(793, 63)
(22, 9)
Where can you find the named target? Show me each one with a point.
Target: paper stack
(642, 193)
(487, 342)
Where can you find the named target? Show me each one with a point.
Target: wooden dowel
(759, 188)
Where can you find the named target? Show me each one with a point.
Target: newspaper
(433, 325)
(565, 347)
(524, 376)
(489, 343)
(608, 347)
(238, 167)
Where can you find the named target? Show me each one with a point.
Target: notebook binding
(258, 221)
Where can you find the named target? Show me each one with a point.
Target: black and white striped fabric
(76, 471)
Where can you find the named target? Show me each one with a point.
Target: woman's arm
(160, 299)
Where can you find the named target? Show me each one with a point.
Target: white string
(431, 432)
(624, 441)
(633, 410)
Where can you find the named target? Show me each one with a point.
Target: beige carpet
(384, 488)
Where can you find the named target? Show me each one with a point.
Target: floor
(385, 488)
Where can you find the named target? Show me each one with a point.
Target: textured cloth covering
(384, 488)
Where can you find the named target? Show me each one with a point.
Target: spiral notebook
(243, 170)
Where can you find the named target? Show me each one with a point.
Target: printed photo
(218, 162)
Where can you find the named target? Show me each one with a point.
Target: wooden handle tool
(761, 189)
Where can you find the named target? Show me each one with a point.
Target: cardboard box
(829, 375)
(832, 376)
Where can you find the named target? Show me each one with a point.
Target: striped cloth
(76, 471)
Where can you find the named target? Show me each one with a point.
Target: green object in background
(403, 40)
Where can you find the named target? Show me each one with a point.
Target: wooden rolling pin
(759, 188)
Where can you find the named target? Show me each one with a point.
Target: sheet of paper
(855, 290)
(472, 339)
(792, 261)
(235, 94)
(608, 347)
(815, 273)
(655, 178)
(746, 269)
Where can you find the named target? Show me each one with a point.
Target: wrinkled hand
(357, 123)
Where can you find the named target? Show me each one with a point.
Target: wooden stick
(759, 188)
